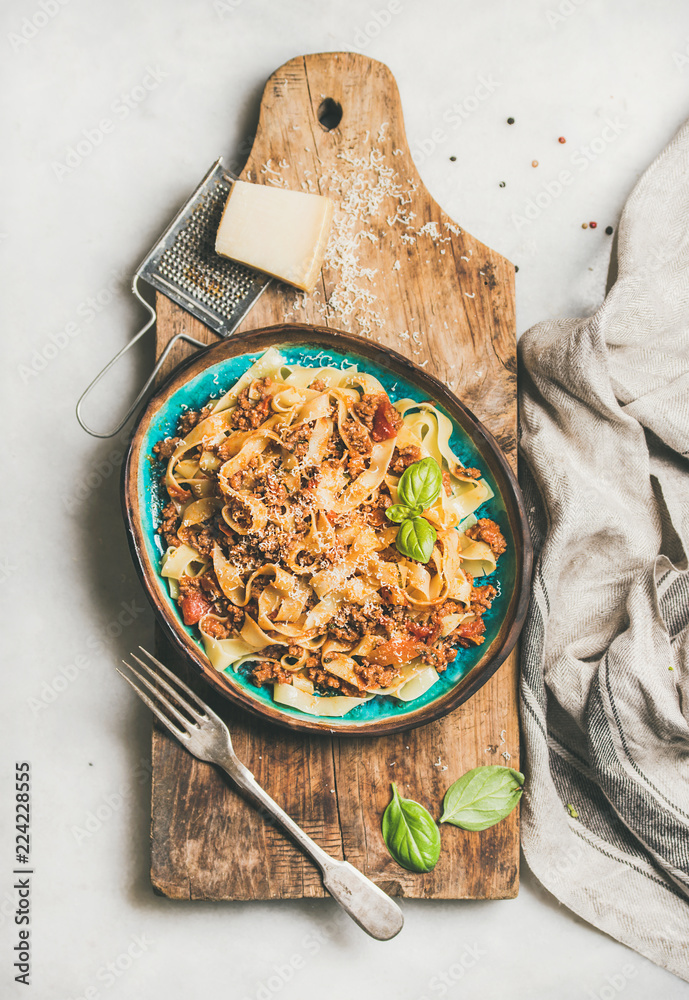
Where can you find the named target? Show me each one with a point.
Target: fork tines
(174, 703)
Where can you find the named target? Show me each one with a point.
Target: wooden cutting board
(405, 274)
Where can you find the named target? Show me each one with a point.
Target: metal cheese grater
(184, 266)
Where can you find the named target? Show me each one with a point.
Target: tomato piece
(421, 632)
(395, 652)
(471, 631)
(386, 421)
(194, 607)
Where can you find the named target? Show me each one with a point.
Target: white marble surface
(560, 67)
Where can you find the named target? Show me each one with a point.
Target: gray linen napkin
(604, 439)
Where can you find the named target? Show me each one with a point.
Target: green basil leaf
(398, 512)
(482, 797)
(416, 539)
(421, 483)
(411, 834)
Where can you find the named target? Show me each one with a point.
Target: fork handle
(372, 909)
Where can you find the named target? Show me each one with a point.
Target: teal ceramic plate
(210, 374)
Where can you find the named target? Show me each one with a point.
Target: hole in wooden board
(329, 114)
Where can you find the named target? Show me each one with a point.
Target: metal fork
(206, 736)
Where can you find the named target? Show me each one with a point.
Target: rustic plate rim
(275, 335)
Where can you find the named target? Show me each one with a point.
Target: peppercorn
(534, 163)
(510, 121)
(562, 139)
(608, 231)
(452, 159)
(584, 225)
(502, 184)
(593, 225)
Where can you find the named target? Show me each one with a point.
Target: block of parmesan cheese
(281, 232)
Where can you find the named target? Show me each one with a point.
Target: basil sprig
(410, 833)
(418, 488)
(482, 797)
(416, 539)
(399, 512)
(421, 483)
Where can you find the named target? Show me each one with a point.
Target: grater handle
(149, 381)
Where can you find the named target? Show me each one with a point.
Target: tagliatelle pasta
(281, 554)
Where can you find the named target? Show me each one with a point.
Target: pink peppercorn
(592, 225)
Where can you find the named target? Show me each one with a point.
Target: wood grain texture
(449, 305)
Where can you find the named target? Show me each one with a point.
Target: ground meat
(297, 438)
(187, 422)
(312, 659)
(373, 676)
(269, 484)
(488, 531)
(358, 444)
(352, 621)
(239, 512)
(227, 449)
(207, 597)
(238, 480)
(169, 523)
(272, 542)
(394, 596)
(249, 552)
(199, 538)
(193, 603)
(242, 555)
(366, 408)
(326, 681)
(447, 483)
(336, 446)
(336, 553)
(228, 629)
(318, 384)
(164, 449)
(471, 473)
(377, 413)
(402, 458)
(356, 465)
(449, 608)
(389, 554)
(374, 512)
(427, 628)
(440, 654)
(269, 672)
(253, 405)
(481, 598)
(210, 586)
(191, 418)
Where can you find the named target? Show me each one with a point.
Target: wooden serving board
(406, 275)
